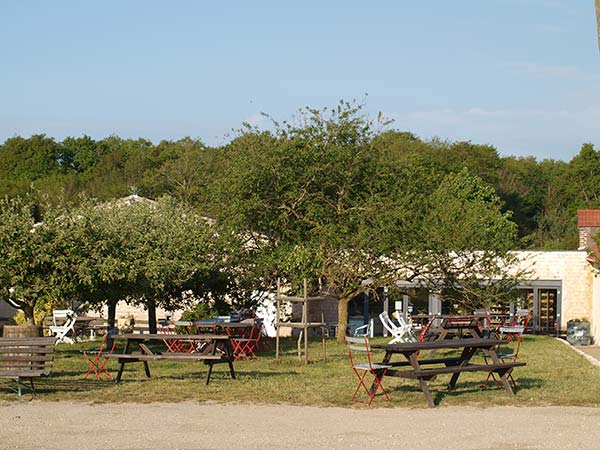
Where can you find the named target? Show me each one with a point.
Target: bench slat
(24, 373)
(35, 341)
(175, 358)
(26, 357)
(457, 369)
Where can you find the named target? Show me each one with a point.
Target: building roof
(588, 217)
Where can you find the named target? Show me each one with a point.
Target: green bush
(202, 311)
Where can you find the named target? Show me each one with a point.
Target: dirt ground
(65, 426)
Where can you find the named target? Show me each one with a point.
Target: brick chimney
(588, 221)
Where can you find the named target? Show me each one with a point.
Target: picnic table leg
(229, 353)
(147, 369)
(491, 353)
(122, 362)
(121, 367)
(386, 360)
(412, 358)
(465, 357)
(210, 363)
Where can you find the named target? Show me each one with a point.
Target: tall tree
(39, 260)
(323, 197)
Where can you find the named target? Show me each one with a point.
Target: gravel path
(66, 426)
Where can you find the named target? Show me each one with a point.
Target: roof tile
(588, 217)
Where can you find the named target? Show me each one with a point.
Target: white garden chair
(362, 331)
(63, 323)
(401, 332)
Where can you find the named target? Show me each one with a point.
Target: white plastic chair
(400, 333)
(362, 331)
(68, 318)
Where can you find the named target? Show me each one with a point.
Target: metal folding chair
(362, 369)
(245, 346)
(513, 333)
(97, 359)
(175, 345)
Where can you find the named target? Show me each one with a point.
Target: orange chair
(246, 345)
(176, 346)
(361, 369)
(513, 333)
(99, 360)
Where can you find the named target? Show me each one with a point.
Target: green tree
(522, 185)
(150, 253)
(465, 243)
(38, 260)
(331, 199)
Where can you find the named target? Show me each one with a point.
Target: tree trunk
(342, 319)
(151, 305)
(112, 313)
(29, 316)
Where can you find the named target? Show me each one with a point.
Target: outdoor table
(211, 349)
(460, 326)
(229, 327)
(420, 370)
(244, 336)
(83, 325)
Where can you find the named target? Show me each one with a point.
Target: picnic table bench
(27, 357)
(211, 349)
(418, 369)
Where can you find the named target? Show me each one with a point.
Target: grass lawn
(554, 375)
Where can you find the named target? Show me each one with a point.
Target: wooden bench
(500, 369)
(28, 357)
(175, 357)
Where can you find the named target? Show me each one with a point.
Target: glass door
(546, 310)
(543, 304)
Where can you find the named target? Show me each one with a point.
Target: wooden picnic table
(211, 349)
(421, 369)
(215, 325)
(244, 336)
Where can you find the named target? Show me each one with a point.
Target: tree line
(332, 196)
(542, 195)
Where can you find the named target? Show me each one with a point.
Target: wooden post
(277, 319)
(323, 334)
(305, 314)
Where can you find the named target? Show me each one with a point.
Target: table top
(444, 344)
(170, 337)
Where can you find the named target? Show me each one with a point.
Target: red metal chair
(99, 360)
(513, 333)
(176, 346)
(246, 345)
(362, 369)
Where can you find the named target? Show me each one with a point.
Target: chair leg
(19, 392)
(32, 386)
(372, 391)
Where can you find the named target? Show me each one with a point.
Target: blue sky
(521, 75)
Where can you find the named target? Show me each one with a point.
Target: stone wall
(576, 274)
